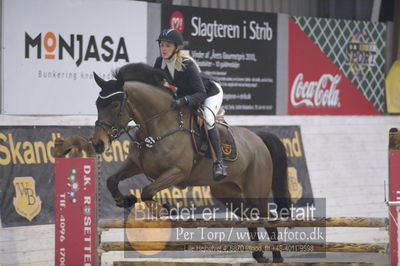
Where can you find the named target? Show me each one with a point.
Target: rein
(114, 132)
(154, 117)
(150, 141)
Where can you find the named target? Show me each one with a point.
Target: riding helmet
(171, 35)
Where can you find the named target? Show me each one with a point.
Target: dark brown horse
(163, 150)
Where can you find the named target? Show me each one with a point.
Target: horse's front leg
(129, 169)
(167, 179)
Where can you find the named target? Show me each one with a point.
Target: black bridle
(113, 132)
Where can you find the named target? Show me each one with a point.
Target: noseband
(112, 131)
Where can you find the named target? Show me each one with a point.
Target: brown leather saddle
(201, 141)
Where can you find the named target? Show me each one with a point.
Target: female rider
(183, 72)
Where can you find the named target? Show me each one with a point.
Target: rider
(183, 72)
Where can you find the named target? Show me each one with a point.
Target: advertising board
(336, 67)
(27, 169)
(237, 47)
(48, 64)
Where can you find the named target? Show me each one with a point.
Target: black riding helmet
(171, 35)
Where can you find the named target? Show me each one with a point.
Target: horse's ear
(120, 80)
(101, 82)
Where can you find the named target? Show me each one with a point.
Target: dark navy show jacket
(188, 81)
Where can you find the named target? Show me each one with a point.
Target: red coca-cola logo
(176, 21)
(319, 93)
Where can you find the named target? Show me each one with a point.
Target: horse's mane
(140, 72)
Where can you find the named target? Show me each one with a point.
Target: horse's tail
(280, 186)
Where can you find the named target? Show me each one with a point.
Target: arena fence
(78, 231)
(128, 263)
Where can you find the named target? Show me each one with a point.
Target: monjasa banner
(239, 48)
(54, 58)
(27, 181)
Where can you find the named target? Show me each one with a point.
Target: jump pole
(394, 195)
(371, 222)
(248, 246)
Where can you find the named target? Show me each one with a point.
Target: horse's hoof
(172, 212)
(126, 201)
(119, 202)
(167, 207)
(277, 260)
(262, 260)
(259, 257)
(129, 201)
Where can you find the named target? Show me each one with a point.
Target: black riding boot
(219, 167)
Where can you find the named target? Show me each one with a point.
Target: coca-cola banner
(239, 48)
(336, 67)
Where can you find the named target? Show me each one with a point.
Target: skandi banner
(27, 180)
(51, 48)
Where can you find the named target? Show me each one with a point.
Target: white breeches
(211, 106)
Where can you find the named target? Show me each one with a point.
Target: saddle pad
(229, 151)
(228, 145)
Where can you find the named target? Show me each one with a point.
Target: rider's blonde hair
(179, 57)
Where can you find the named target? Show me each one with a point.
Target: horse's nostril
(99, 147)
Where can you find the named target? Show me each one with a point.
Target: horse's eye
(114, 105)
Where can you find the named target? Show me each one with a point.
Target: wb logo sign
(26, 202)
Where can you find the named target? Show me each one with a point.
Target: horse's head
(112, 115)
(136, 94)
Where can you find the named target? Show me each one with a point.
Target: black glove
(179, 103)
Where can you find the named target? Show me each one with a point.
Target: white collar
(171, 67)
(164, 63)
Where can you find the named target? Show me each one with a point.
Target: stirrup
(219, 171)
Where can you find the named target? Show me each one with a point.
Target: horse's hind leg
(257, 203)
(273, 236)
(272, 231)
(257, 255)
(231, 195)
(129, 169)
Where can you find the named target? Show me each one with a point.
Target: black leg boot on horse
(219, 167)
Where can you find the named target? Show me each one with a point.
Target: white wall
(347, 162)
(346, 157)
